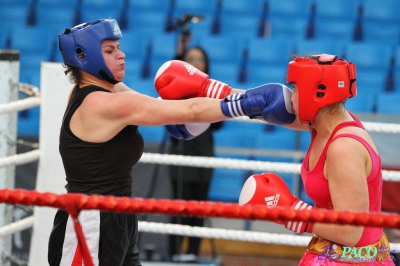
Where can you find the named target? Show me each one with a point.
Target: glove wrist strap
(216, 89)
(231, 106)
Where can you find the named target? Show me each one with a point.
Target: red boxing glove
(271, 190)
(177, 80)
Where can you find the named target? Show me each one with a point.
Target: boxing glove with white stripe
(269, 101)
(187, 131)
(271, 190)
(177, 80)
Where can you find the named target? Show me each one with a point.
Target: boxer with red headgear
(341, 169)
(322, 80)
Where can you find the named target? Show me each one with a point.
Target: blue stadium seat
(318, 46)
(97, 9)
(28, 123)
(164, 46)
(233, 125)
(153, 21)
(200, 30)
(14, 12)
(58, 3)
(369, 55)
(143, 86)
(388, 103)
(381, 10)
(32, 39)
(334, 30)
(289, 9)
(279, 138)
(133, 43)
(371, 78)
(31, 76)
(381, 32)
(54, 17)
(242, 27)
(397, 57)
(288, 27)
(132, 69)
(103, 4)
(263, 73)
(364, 102)
(397, 79)
(337, 10)
(270, 51)
(32, 60)
(222, 48)
(194, 7)
(241, 137)
(240, 7)
(155, 49)
(304, 139)
(152, 134)
(226, 185)
(146, 5)
(225, 71)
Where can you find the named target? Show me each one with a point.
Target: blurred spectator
(190, 183)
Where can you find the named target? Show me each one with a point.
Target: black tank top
(98, 168)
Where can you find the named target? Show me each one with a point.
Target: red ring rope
(74, 203)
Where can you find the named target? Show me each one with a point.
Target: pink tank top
(316, 185)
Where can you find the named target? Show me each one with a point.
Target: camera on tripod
(184, 20)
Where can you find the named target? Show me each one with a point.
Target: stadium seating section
(249, 43)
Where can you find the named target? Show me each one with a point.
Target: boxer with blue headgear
(81, 46)
(100, 142)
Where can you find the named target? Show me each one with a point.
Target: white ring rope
(16, 226)
(202, 232)
(19, 105)
(198, 161)
(239, 164)
(22, 158)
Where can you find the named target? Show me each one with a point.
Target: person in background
(190, 183)
(100, 141)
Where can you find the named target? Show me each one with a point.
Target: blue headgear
(81, 46)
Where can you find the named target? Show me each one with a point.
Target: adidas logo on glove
(190, 69)
(272, 201)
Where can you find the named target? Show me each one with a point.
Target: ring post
(9, 83)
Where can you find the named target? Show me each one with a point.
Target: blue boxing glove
(187, 131)
(269, 101)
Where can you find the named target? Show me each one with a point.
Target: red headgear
(321, 80)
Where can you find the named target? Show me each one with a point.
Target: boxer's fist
(177, 79)
(187, 131)
(270, 101)
(269, 189)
